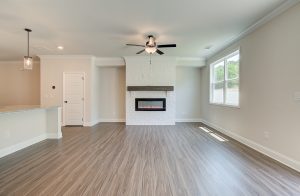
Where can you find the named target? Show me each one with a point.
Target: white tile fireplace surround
(150, 117)
(161, 72)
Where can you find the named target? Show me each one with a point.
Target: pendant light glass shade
(28, 63)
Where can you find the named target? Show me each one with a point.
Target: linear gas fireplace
(150, 104)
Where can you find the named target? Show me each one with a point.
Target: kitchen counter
(25, 125)
(19, 108)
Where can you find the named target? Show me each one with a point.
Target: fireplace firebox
(150, 104)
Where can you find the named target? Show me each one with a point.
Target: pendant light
(28, 63)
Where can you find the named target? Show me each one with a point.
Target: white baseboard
(14, 148)
(111, 120)
(54, 135)
(90, 124)
(151, 123)
(294, 164)
(188, 120)
(21, 145)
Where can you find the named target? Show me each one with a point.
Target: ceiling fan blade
(140, 51)
(166, 46)
(135, 45)
(159, 52)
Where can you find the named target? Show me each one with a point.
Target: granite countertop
(19, 108)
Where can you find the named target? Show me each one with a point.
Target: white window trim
(237, 51)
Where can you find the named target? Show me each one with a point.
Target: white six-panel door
(73, 98)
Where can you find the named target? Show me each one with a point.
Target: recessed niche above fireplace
(150, 104)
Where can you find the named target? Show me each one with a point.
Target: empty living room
(141, 98)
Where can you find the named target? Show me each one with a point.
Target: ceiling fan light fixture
(150, 50)
(151, 47)
(28, 62)
(151, 41)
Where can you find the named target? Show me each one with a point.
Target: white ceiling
(102, 28)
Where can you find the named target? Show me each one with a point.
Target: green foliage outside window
(232, 71)
(219, 71)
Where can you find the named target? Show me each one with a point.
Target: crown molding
(16, 62)
(271, 15)
(11, 62)
(82, 57)
(179, 61)
(153, 57)
(120, 61)
(190, 61)
(109, 61)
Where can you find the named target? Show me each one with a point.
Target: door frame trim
(63, 97)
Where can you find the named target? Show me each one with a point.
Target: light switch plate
(297, 96)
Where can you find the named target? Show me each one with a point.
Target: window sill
(225, 105)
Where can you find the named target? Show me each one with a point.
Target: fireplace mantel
(150, 88)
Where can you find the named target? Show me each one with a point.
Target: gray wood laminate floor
(114, 159)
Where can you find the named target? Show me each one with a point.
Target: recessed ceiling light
(60, 47)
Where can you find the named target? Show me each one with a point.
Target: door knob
(66, 101)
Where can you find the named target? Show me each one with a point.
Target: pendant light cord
(28, 43)
(28, 31)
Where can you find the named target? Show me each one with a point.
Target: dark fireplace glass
(150, 104)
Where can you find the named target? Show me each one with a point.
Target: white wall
(18, 86)
(110, 89)
(95, 94)
(20, 127)
(268, 118)
(52, 69)
(32, 123)
(105, 86)
(161, 72)
(139, 72)
(188, 94)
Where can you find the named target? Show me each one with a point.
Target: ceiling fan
(151, 46)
